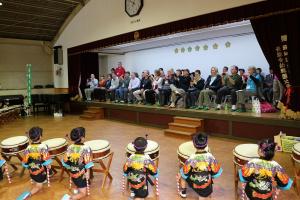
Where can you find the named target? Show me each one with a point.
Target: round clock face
(133, 7)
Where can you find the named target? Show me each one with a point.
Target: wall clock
(133, 7)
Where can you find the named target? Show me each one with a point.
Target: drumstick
(177, 181)
(276, 194)
(243, 191)
(156, 183)
(31, 181)
(70, 182)
(123, 184)
(87, 185)
(7, 173)
(48, 177)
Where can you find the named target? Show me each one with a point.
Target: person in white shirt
(114, 84)
(91, 84)
(134, 84)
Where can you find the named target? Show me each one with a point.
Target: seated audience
(225, 71)
(157, 81)
(165, 91)
(231, 84)
(253, 83)
(146, 84)
(196, 86)
(114, 84)
(162, 73)
(91, 84)
(134, 84)
(211, 86)
(102, 90)
(122, 91)
(184, 80)
(268, 87)
(244, 78)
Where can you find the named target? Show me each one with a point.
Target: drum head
(152, 147)
(246, 151)
(55, 143)
(14, 141)
(296, 148)
(187, 149)
(98, 145)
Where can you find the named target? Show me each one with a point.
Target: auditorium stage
(222, 123)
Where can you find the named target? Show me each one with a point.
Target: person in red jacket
(120, 70)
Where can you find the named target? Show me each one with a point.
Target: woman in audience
(196, 86)
(211, 86)
(253, 82)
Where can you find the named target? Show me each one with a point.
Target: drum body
(185, 150)
(100, 148)
(296, 152)
(14, 145)
(245, 152)
(152, 150)
(57, 146)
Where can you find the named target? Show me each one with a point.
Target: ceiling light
(0, 3)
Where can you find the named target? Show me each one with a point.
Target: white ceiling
(233, 29)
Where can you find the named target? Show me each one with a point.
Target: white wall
(105, 18)
(243, 52)
(15, 54)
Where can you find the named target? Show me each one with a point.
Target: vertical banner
(28, 76)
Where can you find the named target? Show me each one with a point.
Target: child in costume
(37, 160)
(137, 169)
(199, 170)
(78, 161)
(260, 174)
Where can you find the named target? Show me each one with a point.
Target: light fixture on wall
(1, 3)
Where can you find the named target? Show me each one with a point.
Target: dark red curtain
(279, 38)
(83, 65)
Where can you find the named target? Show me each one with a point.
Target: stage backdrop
(242, 50)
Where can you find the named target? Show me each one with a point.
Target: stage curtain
(279, 40)
(83, 65)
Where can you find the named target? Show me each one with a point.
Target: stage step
(188, 120)
(174, 132)
(93, 113)
(184, 127)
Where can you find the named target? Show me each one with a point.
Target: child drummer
(37, 160)
(137, 168)
(78, 160)
(260, 174)
(199, 170)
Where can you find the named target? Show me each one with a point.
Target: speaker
(58, 55)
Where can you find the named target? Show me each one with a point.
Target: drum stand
(8, 158)
(104, 169)
(236, 178)
(59, 166)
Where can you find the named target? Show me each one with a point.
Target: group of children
(198, 172)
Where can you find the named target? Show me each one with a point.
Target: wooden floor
(119, 135)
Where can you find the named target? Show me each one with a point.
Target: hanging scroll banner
(29, 76)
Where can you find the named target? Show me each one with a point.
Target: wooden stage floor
(120, 134)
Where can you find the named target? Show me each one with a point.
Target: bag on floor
(267, 107)
(150, 96)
